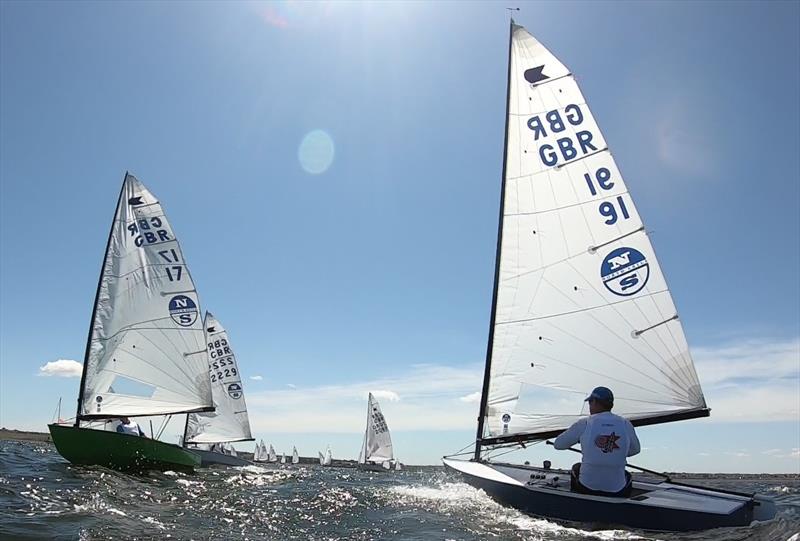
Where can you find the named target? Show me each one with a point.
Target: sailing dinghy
(327, 458)
(260, 452)
(229, 422)
(295, 456)
(377, 452)
(145, 353)
(579, 301)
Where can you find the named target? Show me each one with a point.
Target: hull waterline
(119, 451)
(652, 506)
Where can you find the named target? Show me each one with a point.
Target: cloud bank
(745, 381)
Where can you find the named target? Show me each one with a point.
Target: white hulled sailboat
(579, 301)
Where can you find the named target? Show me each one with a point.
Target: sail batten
(136, 361)
(230, 421)
(579, 298)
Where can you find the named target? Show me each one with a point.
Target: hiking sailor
(127, 426)
(606, 441)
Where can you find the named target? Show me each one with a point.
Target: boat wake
(462, 499)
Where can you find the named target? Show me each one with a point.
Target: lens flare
(315, 152)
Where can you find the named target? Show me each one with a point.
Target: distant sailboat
(271, 455)
(579, 300)
(327, 458)
(145, 353)
(229, 422)
(295, 456)
(260, 453)
(377, 452)
(283, 458)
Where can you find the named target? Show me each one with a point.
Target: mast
(96, 297)
(490, 344)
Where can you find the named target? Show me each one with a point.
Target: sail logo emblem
(235, 391)
(183, 310)
(625, 271)
(535, 75)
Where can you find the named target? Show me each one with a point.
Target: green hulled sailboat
(146, 352)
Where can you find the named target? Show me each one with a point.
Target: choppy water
(43, 497)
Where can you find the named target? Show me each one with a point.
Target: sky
(332, 171)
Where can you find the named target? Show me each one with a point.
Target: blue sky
(376, 273)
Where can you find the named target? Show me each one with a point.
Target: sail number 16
(607, 209)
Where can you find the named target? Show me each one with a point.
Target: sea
(44, 497)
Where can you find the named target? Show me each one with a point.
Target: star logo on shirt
(607, 442)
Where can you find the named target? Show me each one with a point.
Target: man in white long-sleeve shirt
(606, 441)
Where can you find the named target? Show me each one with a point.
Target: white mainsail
(271, 455)
(581, 300)
(377, 445)
(328, 457)
(321, 458)
(295, 456)
(146, 338)
(260, 452)
(283, 458)
(229, 422)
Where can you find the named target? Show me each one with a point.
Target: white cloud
(751, 380)
(63, 368)
(430, 402)
(256, 378)
(391, 396)
(291, 385)
(471, 398)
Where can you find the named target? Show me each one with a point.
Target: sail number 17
(174, 272)
(607, 209)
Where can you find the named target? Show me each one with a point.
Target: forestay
(145, 353)
(581, 300)
(229, 422)
(377, 440)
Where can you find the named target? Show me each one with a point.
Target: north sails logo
(235, 391)
(625, 271)
(183, 310)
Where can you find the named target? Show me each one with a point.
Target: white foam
(450, 496)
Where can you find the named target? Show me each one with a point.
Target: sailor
(606, 441)
(126, 426)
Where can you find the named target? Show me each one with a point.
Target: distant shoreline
(24, 435)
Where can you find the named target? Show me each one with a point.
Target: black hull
(634, 512)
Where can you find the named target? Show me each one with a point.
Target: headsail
(580, 299)
(377, 445)
(146, 336)
(229, 422)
